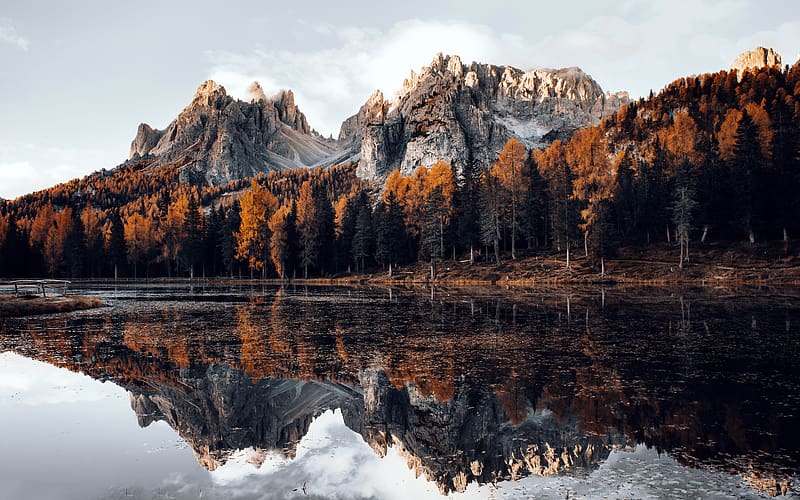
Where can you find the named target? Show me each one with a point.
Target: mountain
(457, 113)
(217, 139)
(233, 412)
(449, 111)
(757, 58)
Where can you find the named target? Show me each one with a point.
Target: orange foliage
(413, 192)
(727, 134)
(252, 239)
(681, 139)
(279, 239)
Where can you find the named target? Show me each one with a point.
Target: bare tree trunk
(586, 243)
(471, 255)
(752, 237)
(705, 234)
(686, 253)
(668, 236)
(567, 256)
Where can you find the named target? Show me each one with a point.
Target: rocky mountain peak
(208, 92)
(457, 113)
(447, 110)
(146, 139)
(256, 93)
(757, 58)
(289, 113)
(217, 138)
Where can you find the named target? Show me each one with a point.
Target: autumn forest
(711, 158)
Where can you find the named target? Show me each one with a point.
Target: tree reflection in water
(470, 386)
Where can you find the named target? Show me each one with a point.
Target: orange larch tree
(308, 227)
(139, 241)
(513, 173)
(252, 238)
(279, 227)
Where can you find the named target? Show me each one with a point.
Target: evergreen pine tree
(467, 201)
(362, 239)
(75, 250)
(490, 221)
(116, 243)
(746, 158)
(327, 234)
(390, 232)
(191, 248)
(227, 238)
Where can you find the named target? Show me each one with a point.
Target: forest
(711, 158)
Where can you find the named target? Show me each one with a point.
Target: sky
(68, 436)
(78, 77)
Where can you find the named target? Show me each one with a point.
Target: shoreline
(722, 266)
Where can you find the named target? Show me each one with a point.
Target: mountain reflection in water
(474, 386)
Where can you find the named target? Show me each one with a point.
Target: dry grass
(657, 265)
(29, 305)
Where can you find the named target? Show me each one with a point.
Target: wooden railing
(41, 286)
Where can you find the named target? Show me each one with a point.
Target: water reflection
(475, 387)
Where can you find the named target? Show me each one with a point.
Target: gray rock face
(757, 58)
(470, 438)
(217, 138)
(219, 410)
(457, 113)
(449, 111)
(146, 139)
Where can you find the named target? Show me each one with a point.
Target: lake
(243, 391)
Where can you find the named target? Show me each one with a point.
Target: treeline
(711, 158)
(139, 221)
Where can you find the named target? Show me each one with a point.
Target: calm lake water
(179, 391)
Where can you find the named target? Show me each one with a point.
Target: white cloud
(636, 47)
(27, 382)
(8, 34)
(332, 83)
(333, 462)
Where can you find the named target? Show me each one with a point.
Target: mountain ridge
(473, 110)
(447, 111)
(216, 138)
(458, 113)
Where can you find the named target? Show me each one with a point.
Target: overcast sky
(78, 77)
